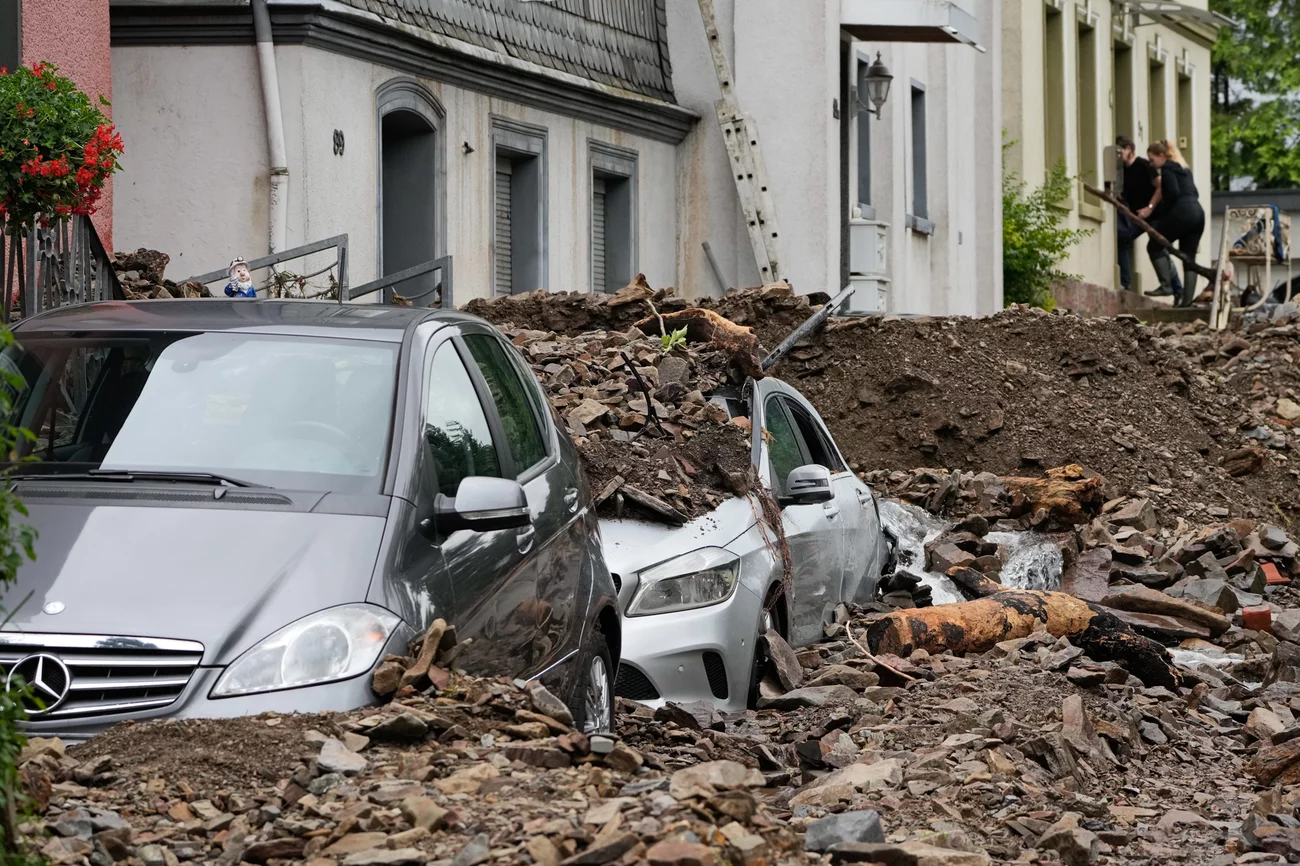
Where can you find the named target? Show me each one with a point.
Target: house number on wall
(338, 142)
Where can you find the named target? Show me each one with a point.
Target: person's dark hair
(1123, 141)
(1157, 148)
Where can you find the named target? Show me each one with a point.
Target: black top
(1139, 184)
(1177, 190)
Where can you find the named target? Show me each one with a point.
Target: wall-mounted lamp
(877, 79)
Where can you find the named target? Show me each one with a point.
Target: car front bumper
(692, 655)
(194, 703)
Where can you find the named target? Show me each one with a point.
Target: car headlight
(696, 579)
(334, 644)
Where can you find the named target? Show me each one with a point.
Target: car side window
(783, 446)
(509, 392)
(455, 425)
(815, 438)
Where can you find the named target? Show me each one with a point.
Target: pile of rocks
(1030, 752)
(479, 771)
(141, 274)
(638, 411)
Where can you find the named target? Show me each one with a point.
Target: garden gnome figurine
(241, 281)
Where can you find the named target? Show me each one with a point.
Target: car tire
(594, 696)
(771, 616)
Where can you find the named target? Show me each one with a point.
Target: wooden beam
(1187, 259)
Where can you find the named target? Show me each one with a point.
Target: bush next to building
(57, 149)
(1034, 239)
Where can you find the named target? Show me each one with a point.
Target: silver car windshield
(298, 412)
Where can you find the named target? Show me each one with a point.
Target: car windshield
(304, 413)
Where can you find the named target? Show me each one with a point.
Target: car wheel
(770, 617)
(593, 704)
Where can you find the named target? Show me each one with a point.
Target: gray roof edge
(343, 29)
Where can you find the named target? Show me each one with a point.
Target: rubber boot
(1165, 274)
(1188, 295)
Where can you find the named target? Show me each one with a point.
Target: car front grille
(634, 685)
(104, 675)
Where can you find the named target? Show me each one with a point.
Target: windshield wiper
(141, 475)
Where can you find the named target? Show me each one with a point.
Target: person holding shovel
(1175, 211)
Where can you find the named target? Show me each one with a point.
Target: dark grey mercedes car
(244, 505)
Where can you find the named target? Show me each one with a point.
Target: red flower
(51, 85)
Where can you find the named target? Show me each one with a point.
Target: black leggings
(1184, 228)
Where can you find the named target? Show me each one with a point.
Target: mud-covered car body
(696, 599)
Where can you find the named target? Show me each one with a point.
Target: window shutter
(503, 279)
(598, 234)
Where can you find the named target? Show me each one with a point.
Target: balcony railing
(46, 268)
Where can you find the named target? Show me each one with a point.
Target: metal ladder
(740, 134)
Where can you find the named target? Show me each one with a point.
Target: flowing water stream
(1031, 561)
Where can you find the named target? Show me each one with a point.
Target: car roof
(357, 321)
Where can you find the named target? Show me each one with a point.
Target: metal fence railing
(429, 282)
(64, 264)
(431, 291)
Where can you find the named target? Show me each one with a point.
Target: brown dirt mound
(210, 754)
(1024, 390)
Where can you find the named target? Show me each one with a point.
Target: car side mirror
(808, 485)
(482, 504)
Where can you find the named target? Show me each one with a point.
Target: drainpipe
(274, 125)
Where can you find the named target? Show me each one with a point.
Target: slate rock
(337, 758)
(859, 826)
(811, 696)
(788, 670)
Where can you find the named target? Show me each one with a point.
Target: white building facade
(570, 144)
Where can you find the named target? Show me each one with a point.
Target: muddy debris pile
(1165, 580)
(638, 410)
(1023, 390)
(141, 275)
(1031, 751)
(477, 771)
(1260, 363)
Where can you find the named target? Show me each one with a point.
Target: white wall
(192, 121)
(787, 70)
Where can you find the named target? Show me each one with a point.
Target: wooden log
(708, 326)
(1064, 496)
(1187, 258)
(977, 626)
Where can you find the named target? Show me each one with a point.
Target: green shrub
(17, 545)
(1034, 242)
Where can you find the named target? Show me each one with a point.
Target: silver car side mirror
(482, 504)
(808, 485)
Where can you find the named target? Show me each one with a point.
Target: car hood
(632, 545)
(225, 577)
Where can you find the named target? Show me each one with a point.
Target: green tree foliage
(17, 545)
(1034, 242)
(1255, 122)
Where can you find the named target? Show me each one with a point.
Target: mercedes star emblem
(54, 607)
(48, 679)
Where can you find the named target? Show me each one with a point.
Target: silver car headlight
(334, 644)
(696, 579)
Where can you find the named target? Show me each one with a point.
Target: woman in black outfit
(1175, 211)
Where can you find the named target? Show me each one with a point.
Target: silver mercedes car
(244, 505)
(697, 599)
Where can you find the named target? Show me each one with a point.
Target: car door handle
(864, 498)
(832, 510)
(571, 499)
(524, 539)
